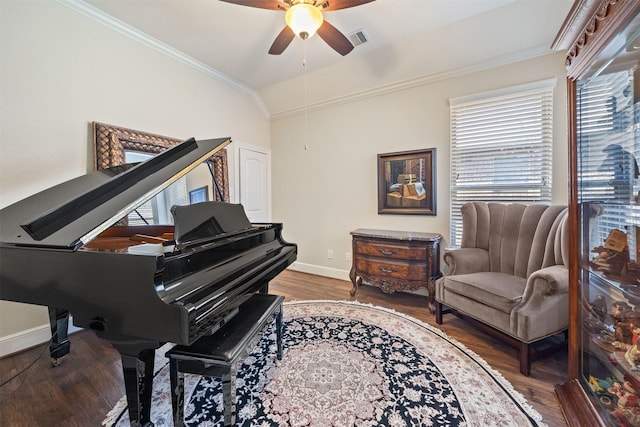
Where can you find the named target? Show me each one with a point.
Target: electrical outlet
(347, 256)
(330, 254)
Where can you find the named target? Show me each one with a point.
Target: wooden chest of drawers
(395, 260)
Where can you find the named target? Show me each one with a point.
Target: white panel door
(254, 183)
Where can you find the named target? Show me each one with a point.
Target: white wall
(61, 70)
(330, 189)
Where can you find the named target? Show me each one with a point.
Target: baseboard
(319, 270)
(23, 340)
(30, 338)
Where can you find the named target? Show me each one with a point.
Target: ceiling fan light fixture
(303, 19)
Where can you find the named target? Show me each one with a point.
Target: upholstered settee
(509, 274)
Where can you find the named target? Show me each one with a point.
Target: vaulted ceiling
(407, 40)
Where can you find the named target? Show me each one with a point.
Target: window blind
(501, 148)
(607, 166)
(157, 210)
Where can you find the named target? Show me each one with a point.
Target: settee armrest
(466, 260)
(547, 281)
(544, 307)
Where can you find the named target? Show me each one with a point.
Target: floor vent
(358, 37)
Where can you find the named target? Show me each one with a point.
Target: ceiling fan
(304, 18)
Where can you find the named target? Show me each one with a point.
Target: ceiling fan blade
(334, 38)
(262, 4)
(282, 41)
(340, 4)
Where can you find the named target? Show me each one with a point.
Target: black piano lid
(71, 214)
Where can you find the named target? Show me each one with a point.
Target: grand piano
(95, 247)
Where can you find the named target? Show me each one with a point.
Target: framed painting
(199, 195)
(407, 183)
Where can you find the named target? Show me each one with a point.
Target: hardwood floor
(88, 383)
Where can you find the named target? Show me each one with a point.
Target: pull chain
(306, 127)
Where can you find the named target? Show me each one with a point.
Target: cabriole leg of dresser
(356, 282)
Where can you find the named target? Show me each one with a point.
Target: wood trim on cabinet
(576, 406)
(574, 236)
(589, 27)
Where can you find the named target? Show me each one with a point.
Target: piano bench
(218, 355)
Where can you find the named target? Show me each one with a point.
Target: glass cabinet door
(608, 136)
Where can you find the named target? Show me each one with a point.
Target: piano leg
(59, 345)
(138, 381)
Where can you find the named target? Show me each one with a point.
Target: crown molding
(135, 34)
(413, 82)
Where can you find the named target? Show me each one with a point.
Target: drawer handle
(387, 270)
(387, 252)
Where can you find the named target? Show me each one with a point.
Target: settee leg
(438, 313)
(525, 362)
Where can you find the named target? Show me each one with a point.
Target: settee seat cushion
(497, 290)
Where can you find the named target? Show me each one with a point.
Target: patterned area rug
(350, 364)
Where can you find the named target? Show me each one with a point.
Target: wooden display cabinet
(602, 38)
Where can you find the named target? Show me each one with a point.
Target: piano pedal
(55, 362)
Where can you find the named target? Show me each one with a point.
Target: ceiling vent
(358, 37)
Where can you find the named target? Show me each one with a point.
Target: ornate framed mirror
(114, 144)
(118, 146)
